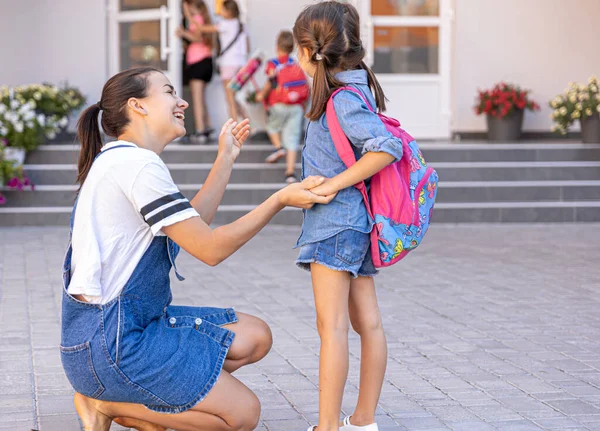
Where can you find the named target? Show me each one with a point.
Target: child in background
(199, 60)
(335, 240)
(235, 46)
(285, 92)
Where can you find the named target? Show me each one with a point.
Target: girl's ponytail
(88, 133)
(375, 87)
(324, 84)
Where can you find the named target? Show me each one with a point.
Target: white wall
(538, 44)
(54, 41)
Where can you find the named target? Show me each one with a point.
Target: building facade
(431, 56)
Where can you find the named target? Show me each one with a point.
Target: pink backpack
(402, 194)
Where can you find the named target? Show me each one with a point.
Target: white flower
(593, 80)
(51, 135)
(579, 107)
(37, 95)
(594, 88)
(2, 108)
(14, 104)
(576, 115)
(63, 122)
(572, 98)
(555, 128)
(588, 112)
(19, 127)
(41, 120)
(581, 87)
(3, 131)
(29, 125)
(553, 104)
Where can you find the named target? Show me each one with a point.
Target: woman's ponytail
(88, 133)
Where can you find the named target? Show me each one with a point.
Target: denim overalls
(138, 348)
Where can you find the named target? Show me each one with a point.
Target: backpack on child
(401, 196)
(291, 82)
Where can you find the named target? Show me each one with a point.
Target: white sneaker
(311, 428)
(349, 427)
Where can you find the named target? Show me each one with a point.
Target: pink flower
(2, 199)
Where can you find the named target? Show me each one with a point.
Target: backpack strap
(341, 142)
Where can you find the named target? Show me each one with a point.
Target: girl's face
(164, 109)
(227, 14)
(305, 63)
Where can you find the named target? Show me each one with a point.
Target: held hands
(232, 137)
(300, 195)
(326, 188)
(180, 31)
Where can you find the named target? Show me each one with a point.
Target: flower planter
(507, 128)
(16, 154)
(590, 129)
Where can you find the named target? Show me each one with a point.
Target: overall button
(172, 320)
(198, 321)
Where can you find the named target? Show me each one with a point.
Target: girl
(234, 50)
(130, 355)
(200, 63)
(334, 241)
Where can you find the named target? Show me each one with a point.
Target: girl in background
(200, 63)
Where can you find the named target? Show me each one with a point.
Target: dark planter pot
(590, 129)
(505, 129)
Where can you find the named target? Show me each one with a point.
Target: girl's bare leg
(366, 321)
(231, 103)
(331, 289)
(197, 89)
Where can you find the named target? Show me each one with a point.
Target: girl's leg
(290, 162)
(331, 289)
(197, 89)
(366, 321)
(231, 103)
(229, 406)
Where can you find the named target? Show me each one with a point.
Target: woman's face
(164, 108)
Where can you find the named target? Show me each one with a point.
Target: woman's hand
(299, 195)
(232, 137)
(326, 188)
(186, 11)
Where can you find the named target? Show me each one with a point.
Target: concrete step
(194, 173)
(434, 152)
(491, 212)
(449, 192)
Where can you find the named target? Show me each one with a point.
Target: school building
(431, 56)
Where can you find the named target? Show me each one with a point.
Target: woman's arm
(209, 197)
(213, 246)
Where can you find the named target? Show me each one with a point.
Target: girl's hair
(207, 38)
(115, 94)
(330, 31)
(232, 7)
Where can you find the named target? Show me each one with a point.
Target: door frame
(445, 23)
(170, 45)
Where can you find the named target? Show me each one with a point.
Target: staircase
(479, 182)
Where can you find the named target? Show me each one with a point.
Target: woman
(199, 61)
(129, 354)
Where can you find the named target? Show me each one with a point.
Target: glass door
(142, 33)
(408, 47)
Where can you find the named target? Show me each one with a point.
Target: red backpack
(292, 87)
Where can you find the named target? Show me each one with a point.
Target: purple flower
(4, 142)
(2, 199)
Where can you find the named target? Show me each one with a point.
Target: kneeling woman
(131, 356)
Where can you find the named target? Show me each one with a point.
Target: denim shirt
(366, 132)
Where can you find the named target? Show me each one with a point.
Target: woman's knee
(248, 415)
(263, 339)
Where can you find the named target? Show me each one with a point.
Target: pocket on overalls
(79, 368)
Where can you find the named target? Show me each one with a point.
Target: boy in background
(285, 93)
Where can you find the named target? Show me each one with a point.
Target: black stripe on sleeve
(168, 212)
(160, 202)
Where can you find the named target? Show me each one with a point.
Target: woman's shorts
(202, 70)
(349, 251)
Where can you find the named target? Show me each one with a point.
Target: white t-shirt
(126, 199)
(237, 55)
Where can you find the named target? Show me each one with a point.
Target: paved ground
(489, 327)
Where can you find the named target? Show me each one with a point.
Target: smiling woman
(130, 355)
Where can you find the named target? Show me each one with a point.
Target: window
(405, 7)
(406, 49)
